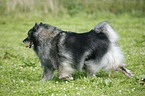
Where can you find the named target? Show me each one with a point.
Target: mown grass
(20, 70)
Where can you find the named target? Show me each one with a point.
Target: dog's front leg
(47, 73)
(62, 75)
(65, 70)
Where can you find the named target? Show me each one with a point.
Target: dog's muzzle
(27, 41)
(30, 45)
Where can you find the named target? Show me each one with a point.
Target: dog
(68, 52)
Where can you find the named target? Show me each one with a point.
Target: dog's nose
(26, 40)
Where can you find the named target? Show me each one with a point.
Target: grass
(56, 7)
(20, 70)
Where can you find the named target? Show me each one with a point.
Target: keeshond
(68, 52)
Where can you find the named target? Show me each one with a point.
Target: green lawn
(20, 70)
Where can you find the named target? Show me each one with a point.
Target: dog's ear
(40, 23)
(36, 26)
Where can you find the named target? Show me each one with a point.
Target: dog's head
(41, 33)
(31, 35)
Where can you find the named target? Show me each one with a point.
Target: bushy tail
(108, 30)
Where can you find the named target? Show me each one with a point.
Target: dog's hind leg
(125, 71)
(48, 73)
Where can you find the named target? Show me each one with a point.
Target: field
(21, 72)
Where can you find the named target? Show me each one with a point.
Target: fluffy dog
(68, 52)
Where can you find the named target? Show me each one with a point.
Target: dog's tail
(108, 30)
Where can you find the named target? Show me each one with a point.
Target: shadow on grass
(37, 76)
(82, 75)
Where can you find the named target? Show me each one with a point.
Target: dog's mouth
(30, 45)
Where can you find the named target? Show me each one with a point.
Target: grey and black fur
(68, 52)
